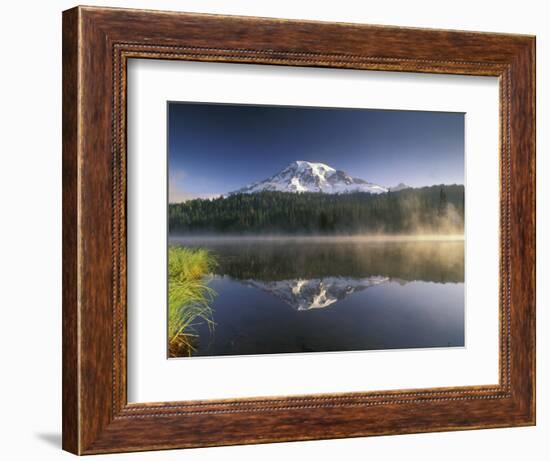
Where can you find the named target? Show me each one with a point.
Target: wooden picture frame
(97, 43)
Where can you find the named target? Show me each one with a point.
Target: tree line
(436, 209)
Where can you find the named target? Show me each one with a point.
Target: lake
(297, 295)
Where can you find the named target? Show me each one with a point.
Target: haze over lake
(282, 295)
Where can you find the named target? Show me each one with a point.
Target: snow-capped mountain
(304, 294)
(302, 176)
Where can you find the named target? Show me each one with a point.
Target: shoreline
(318, 238)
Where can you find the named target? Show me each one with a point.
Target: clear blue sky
(216, 148)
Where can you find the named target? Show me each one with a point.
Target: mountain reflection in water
(304, 294)
(311, 295)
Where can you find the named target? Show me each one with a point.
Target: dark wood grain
(70, 384)
(97, 43)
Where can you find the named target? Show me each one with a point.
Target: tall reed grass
(189, 297)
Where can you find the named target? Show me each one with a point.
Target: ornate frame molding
(97, 45)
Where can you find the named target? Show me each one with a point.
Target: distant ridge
(400, 186)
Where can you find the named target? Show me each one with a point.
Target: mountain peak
(313, 165)
(304, 176)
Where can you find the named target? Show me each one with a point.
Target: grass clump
(189, 297)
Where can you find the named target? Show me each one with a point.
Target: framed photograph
(281, 230)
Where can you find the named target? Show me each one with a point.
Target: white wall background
(30, 243)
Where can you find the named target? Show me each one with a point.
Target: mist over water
(280, 294)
